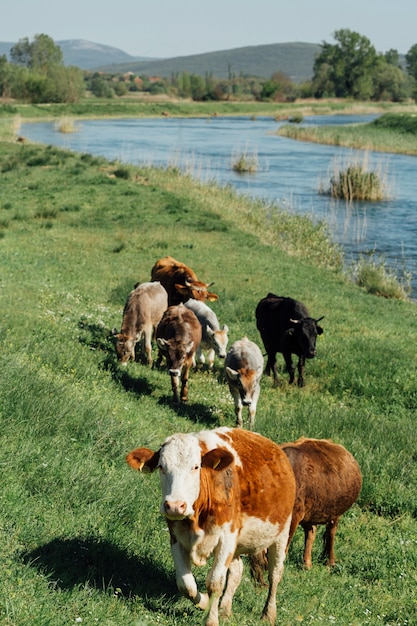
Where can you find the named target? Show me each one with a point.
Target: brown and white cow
(180, 281)
(142, 313)
(178, 336)
(225, 492)
(243, 368)
(329, 481)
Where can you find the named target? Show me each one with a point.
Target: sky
(171, 28)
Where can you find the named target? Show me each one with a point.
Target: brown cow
(142, 313)
(328, 481)
(178, 336)
(180, 281)
(225, 492)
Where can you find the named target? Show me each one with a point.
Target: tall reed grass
(353, 179)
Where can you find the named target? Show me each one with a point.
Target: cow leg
(210, 358)
(184, 380)
(252, 407)
(186, 583)
(234, 577)
(216, 578)
(276, 558)
(301, 364)
(309, 537)
(174, 386)
(328, 539)
(289, 366)
(238, 406)
(198, 357)
(148, 345)
(271, 364)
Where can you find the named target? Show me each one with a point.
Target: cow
(243, 370)
(180, 282)
(285, 326)
(214, 339)
(225, 492)
(142, 313)
(178, 335)
(328, 481)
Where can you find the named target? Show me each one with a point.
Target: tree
(39, 55)
(345, 68)
(411, 61)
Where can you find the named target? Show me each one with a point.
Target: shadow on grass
(75, 562)
(195, 412)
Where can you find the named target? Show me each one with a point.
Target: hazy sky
(169, 28)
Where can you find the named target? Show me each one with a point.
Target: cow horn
(295, 321)
(320, 318)
(210, 284)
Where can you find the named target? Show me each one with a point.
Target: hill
(294, 59)
(86, 54)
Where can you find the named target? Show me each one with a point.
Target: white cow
(214, 339)
(243, 368)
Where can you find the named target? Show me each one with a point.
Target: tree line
(349, 68)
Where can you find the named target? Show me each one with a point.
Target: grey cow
(243, 368)
(214, 339)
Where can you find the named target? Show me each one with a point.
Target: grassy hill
(81, 540)
(294, 59)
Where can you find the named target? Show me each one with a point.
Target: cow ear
(232, 374)
(319, 330)
(217, 459)
(212, 297)
(182, 290)
(162, 344)
(225, 328)
(143, 459)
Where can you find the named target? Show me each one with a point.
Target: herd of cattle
(172, 307)
(230, 492)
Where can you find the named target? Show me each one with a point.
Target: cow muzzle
(175, 372)
(175, 509)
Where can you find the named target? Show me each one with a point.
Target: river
(289, 173)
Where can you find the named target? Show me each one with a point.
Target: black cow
(286, 326)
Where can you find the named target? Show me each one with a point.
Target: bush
(373, 276)
(356, 182)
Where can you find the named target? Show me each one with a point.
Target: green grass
(392, 132)
(80, 533)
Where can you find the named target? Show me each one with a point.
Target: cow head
(218, 340)
(180, 461)
(246, 381)
(125, 347)
(175, 353)
(197, 290)
(304, 332)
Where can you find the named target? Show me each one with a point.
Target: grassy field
(81, 540)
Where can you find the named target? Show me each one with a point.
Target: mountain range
(294, 59)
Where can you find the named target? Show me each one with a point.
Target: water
(289, 172)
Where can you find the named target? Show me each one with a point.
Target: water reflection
(289, 172)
